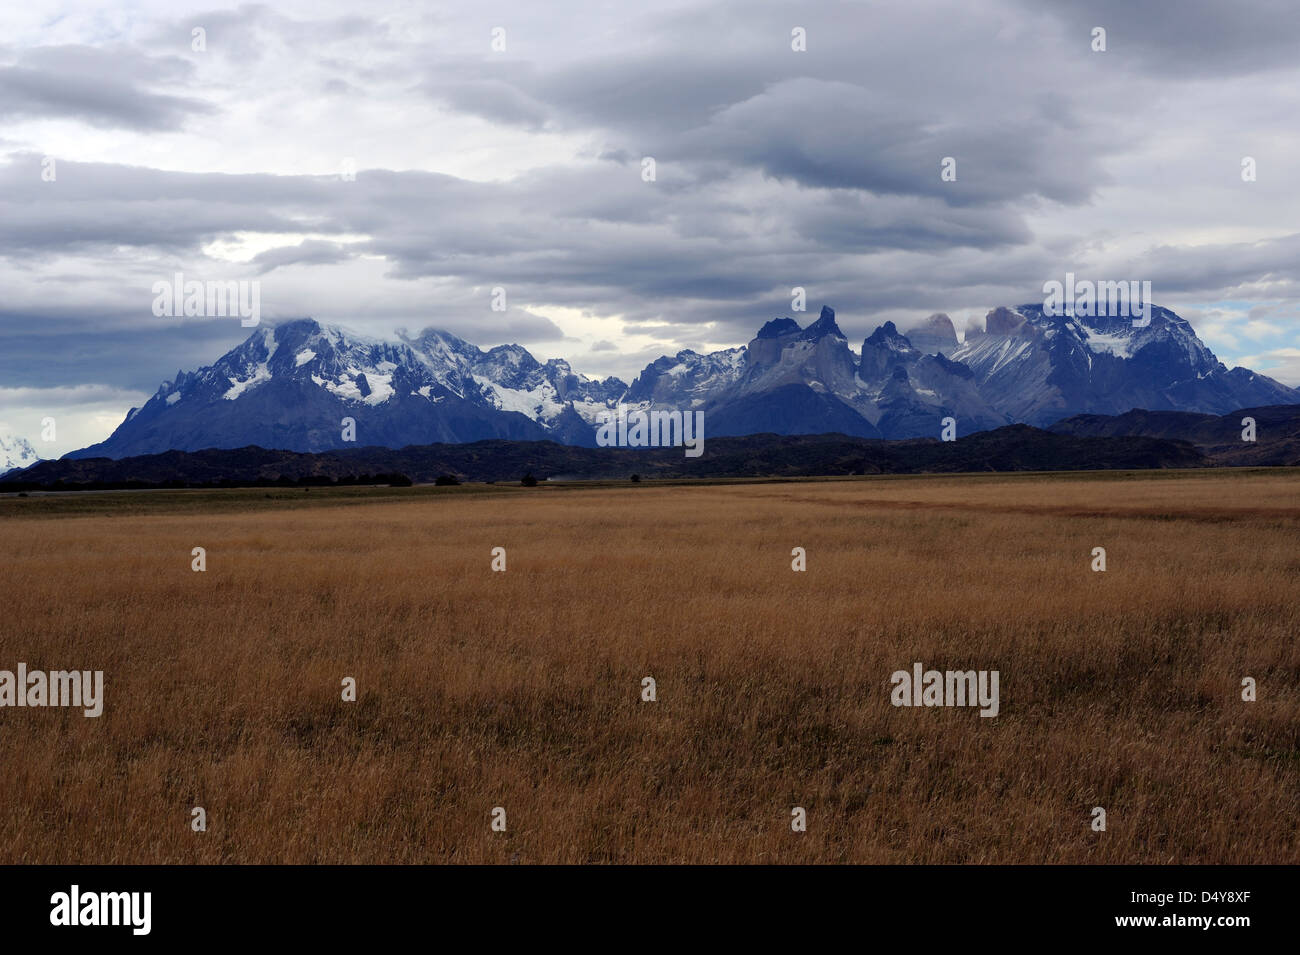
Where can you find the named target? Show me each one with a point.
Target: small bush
(636, 479)
(446, 480)
(528, 480)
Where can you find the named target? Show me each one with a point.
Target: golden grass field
(522, 689)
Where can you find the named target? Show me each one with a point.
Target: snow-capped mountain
(291, 387)
(15, 453)
(1038, 369)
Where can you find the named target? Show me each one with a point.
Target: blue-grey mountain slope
(292, 387)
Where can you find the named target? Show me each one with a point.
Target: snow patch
(381, 386)
(1118, 345)
(539, 402)
(260, 376)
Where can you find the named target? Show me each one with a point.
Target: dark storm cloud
(840, 136)
(595, 236)
(59, 346)
(94, 205)
(103, 88)
(850, 222)
(721, 84)
(1188, 38)
(494, 100)
(307, 252)
(1271, 265)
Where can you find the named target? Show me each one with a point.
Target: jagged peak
(888, 336)
(778, 328)
(517, 356)
(825, 325)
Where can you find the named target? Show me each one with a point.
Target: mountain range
(290, 387)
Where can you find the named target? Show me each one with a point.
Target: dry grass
(521, 690)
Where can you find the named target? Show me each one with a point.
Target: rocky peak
(934, 336)
(825, 325)
(778, 327)
(1003, 321)
(888, 336)
(884, 350)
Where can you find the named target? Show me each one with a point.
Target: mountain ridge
(294, 386)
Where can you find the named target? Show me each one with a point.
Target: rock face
(1003, 321)
(934, 336)
(290, 387)
(884, 351)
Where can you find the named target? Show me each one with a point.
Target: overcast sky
(522, 168)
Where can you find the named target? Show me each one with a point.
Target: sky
(387, 166)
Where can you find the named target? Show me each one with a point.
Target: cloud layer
(390, 165)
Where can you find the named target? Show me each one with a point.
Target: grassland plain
(522, 689)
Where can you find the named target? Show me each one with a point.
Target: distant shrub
(636, 479)
(528, 480)
(446, 480)
(399, 480)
